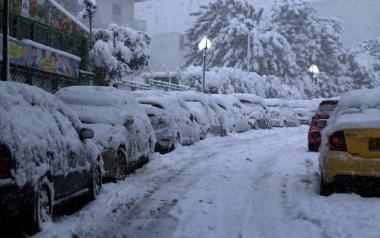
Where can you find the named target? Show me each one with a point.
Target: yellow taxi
(351, 143)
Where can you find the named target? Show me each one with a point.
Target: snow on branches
(119, 50)
(284, 44)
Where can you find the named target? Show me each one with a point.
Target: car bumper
(337, 163)
(314, 138)
(15, 201)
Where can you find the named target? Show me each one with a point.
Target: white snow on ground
(255, 184)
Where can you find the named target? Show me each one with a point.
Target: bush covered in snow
(119, 50)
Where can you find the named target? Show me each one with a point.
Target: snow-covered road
(256, 184)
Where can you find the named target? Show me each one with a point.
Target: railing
(132, 86)
(167, 86)
(50, 82)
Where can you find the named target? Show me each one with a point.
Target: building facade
(168, 51)
(121, 12)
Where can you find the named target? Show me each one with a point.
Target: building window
(56, 40)
(116, 13)
(24, 29)
(41, 34)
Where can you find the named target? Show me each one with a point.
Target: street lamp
(203, 46)
(314, 70)
(90, 9)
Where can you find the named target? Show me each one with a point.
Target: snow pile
(106, 110)
(35, 125)
(356, 109)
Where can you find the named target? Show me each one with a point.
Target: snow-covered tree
(314, 40)
(372, 47)
(227, 23)
(119, 50)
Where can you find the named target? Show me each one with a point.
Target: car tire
(122, 163)
(43, 206)
(313, 148)
(326, 189)
(95, 184)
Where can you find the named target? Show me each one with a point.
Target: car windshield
(327, 108)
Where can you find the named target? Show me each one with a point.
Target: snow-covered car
(254, 108)
(350, 148)
(170, 117)
(45, 155)
(122, 128)
(305, 109)
(282, 115)
(234, 112)
(206, 112)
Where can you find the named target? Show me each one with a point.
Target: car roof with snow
(357, 109)
(249, 98)
(33, 123)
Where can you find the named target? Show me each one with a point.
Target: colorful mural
(29, 55)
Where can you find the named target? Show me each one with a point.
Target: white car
(121, 126)
(233, 109)
(206, 112)
(172, 122)
(254, 108)
(282, 115)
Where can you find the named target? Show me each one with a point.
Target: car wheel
(122, 163)
(43, 206)
(313, 148)
(326, 189)
(95, 183)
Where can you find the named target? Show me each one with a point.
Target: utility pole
(5, 72)
(249, 52)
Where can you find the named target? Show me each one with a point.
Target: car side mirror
(129, 121)
(86, 133)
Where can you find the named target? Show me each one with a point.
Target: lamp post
(5, 72)
(203, 46)
(314, 70)
(249, 48)
(90, 10)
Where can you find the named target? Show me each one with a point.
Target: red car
(318, 122)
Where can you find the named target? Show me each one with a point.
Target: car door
(70, 166)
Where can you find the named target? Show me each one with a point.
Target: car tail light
(314, 121)
(5, 162)
(338, 141)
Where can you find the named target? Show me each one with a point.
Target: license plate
(322, 124)
(374, 144)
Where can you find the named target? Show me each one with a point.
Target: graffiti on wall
(45, 12)
(29, 55)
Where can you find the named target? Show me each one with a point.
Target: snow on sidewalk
(256, 184)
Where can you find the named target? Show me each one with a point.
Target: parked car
(122, 128)
(45, 156)
(255, 109)
(305, 109)
(234, 112)
(318, 122)
(350, 149)
(282, 115)
(207, 113)
(171, 119)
